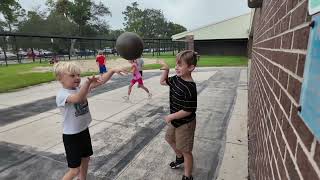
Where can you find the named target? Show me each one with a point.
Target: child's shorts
(183, 136)
(102, 69)
(140, 81)
(77, 146)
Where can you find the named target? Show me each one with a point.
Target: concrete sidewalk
(234, 164)
(128, 138)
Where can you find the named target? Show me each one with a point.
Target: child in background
(136, 77)
(101, 62)
(140, 64)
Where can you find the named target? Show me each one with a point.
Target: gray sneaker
(126, 98)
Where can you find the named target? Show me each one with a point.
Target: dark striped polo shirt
(183, 96)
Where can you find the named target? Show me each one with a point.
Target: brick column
(190, 42)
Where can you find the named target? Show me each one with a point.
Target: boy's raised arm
(106, 76)
(82, 94)
(165, 72)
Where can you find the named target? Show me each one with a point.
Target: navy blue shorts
(102, 69)
(77, 146)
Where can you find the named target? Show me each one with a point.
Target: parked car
(86, 52)
(109, 50)
(22, 53)
(8, 54)
(46, 53)
(147, 50)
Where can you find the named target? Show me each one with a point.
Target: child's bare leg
(173, 146)
(130, 89)
(84, 168)
(72, 173)
(144, 88)
(188, 163)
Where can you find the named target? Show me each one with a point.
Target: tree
(149, 23)
(58, 24)
(61, 7)
(84, 12)
(2, 25)
(34, 22)
(99, 10)
(101, 29)
(133, 18)
(114, 34)
(154, 23)
(173, 28)
(11, 11)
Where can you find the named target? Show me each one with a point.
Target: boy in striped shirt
(183, 105)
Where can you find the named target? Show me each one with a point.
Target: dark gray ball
(129, 45)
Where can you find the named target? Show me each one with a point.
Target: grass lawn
(17, 76)
(20, 75)
(205, 61)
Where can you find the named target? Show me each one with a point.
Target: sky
(191, 14)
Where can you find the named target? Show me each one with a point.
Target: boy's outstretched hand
(93, 79)
(164, 65)
(94, 82)
(120, 71)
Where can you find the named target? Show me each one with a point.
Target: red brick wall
(281, 146)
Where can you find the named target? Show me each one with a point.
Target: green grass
(205, 61)
(18, 76)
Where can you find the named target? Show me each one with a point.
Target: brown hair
(188, 56)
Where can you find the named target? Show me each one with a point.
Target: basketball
(129, 45)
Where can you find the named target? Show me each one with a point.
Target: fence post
(152, 47)
(32, 54)
(4, 49)
(16, 46)
(159, 46)
(172, 44)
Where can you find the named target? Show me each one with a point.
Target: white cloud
(189, 13)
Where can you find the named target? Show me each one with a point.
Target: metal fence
(24, 48)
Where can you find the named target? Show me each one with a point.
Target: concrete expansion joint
(236, 143)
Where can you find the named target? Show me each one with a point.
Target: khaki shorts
(183, 136)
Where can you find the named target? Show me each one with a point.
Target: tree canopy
(84, 18)
(149, 23)
(11, 11)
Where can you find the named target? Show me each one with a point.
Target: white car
(8, 54)
(22, 53)
(108, 50)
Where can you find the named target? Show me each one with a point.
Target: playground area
(91, 65)
(128, 137)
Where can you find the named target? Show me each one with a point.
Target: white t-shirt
(140, 63)
(76, 117)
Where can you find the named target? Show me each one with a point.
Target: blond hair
(65, 67)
